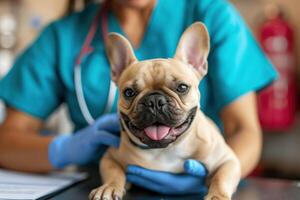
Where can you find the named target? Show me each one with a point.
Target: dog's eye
(182, 88)
(128, 93)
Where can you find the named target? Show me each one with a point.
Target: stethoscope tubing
(86, 49)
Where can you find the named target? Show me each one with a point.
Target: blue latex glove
(82, 147)
(191, 182)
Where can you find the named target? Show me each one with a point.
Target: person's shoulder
(204, 7)
(207, 4)
(65, 34)
(218, 15)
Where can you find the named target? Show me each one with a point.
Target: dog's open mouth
(159, 131)
(159, 135)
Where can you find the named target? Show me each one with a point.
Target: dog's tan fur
(202, 141)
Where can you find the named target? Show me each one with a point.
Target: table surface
(250, 189)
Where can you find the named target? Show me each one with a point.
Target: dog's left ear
(194, 46)
(120, 54)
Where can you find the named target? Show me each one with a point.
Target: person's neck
(126, 13)
(133, 20)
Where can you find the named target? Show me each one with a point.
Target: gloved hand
(81, 147)
(191, 182)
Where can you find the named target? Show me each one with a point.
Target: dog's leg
(224, 181)
(113, 179)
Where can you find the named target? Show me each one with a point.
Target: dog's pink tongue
(157, 132)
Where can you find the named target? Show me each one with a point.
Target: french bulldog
(162, 124)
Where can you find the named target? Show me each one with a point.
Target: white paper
(15, 185)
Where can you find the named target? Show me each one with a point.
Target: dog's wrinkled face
(159, 98)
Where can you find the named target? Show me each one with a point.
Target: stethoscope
(85, 50)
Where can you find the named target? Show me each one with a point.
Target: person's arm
(242, 131)
(22, 147)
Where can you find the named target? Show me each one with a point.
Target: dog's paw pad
(216, 197)
(117, 197)
(106, 192)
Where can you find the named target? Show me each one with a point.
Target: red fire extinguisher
(277, 103)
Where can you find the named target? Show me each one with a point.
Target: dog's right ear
(120, 54)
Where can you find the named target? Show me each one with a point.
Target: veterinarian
(68, 64)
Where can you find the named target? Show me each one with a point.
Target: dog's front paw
(215, 196)
(107, 192)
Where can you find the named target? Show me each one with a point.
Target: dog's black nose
(155, 101)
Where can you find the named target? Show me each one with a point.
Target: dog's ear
(120, 54)
(194, 46)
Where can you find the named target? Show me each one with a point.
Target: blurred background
(275, 23)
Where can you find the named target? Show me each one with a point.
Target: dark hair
(72, 5)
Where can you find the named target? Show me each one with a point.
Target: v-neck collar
(114, 26)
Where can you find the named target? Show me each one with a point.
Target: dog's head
(159, 98)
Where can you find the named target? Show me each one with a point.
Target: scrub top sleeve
(237, 64)
(33, 85)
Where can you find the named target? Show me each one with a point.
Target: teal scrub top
(42, 76)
